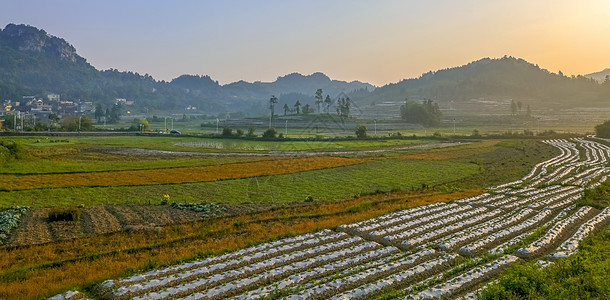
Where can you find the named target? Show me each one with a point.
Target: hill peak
(31, 39)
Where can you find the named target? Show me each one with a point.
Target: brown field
(44, 270)
(175, 175)
(96, 220)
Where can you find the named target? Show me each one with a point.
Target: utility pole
(165, 124)
(375, 121)
(286, 129)
(453, 126)
(217, 125)
(79, 117)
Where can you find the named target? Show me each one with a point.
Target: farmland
(405, 252)
(420, 219)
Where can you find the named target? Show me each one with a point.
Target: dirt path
(163, 153)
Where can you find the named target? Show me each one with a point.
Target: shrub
(165, 200)
(64, 214)
(309, 199)
(270, 133)
(239, 132)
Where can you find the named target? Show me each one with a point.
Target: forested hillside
(506, 77)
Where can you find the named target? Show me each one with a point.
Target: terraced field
(442, 250)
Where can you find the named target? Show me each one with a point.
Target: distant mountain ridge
(599, 76)
(33, 62)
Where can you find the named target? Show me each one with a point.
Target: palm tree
(318, 99)
(272, 103)
(327, 102)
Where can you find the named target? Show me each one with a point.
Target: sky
(378, 41)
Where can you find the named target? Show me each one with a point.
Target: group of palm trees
(343, 105)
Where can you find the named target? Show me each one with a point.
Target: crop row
(569, 246)
(554, 233)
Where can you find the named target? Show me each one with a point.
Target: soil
(34, 227)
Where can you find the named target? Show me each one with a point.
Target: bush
(270, 133)
(603, 130)
(239, 132)
(64, 214)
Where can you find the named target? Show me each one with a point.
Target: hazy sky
(376, 41)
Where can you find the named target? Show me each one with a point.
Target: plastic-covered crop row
(573, 194)
(324, 291)
(331, 267)
(554, 233)
(385, 221)
(440, 232)
(424, 224)
(489, 227)
(160, 278)
(504, 234)
(465, 280)
(545, 193)
(232, 285)
(570, 246)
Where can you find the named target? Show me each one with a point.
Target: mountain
(599, 76)
(35, 63)
(501, 78)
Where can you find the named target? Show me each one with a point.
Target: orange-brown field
(175, 175)
(43, 270)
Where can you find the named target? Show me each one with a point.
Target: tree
(286, 109)
(227, 131)
(139, 125)
(54, 119)
(115, 113)
(251, 132)
(99, 112)
(513, 107)
(72, 123)
(272, 102)
(318, 99)
(427, 114)
(297, 106)
(361, 131)
(603, 130)
(307, 109)
(327, 103)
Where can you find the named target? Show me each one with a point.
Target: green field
(323, 185)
